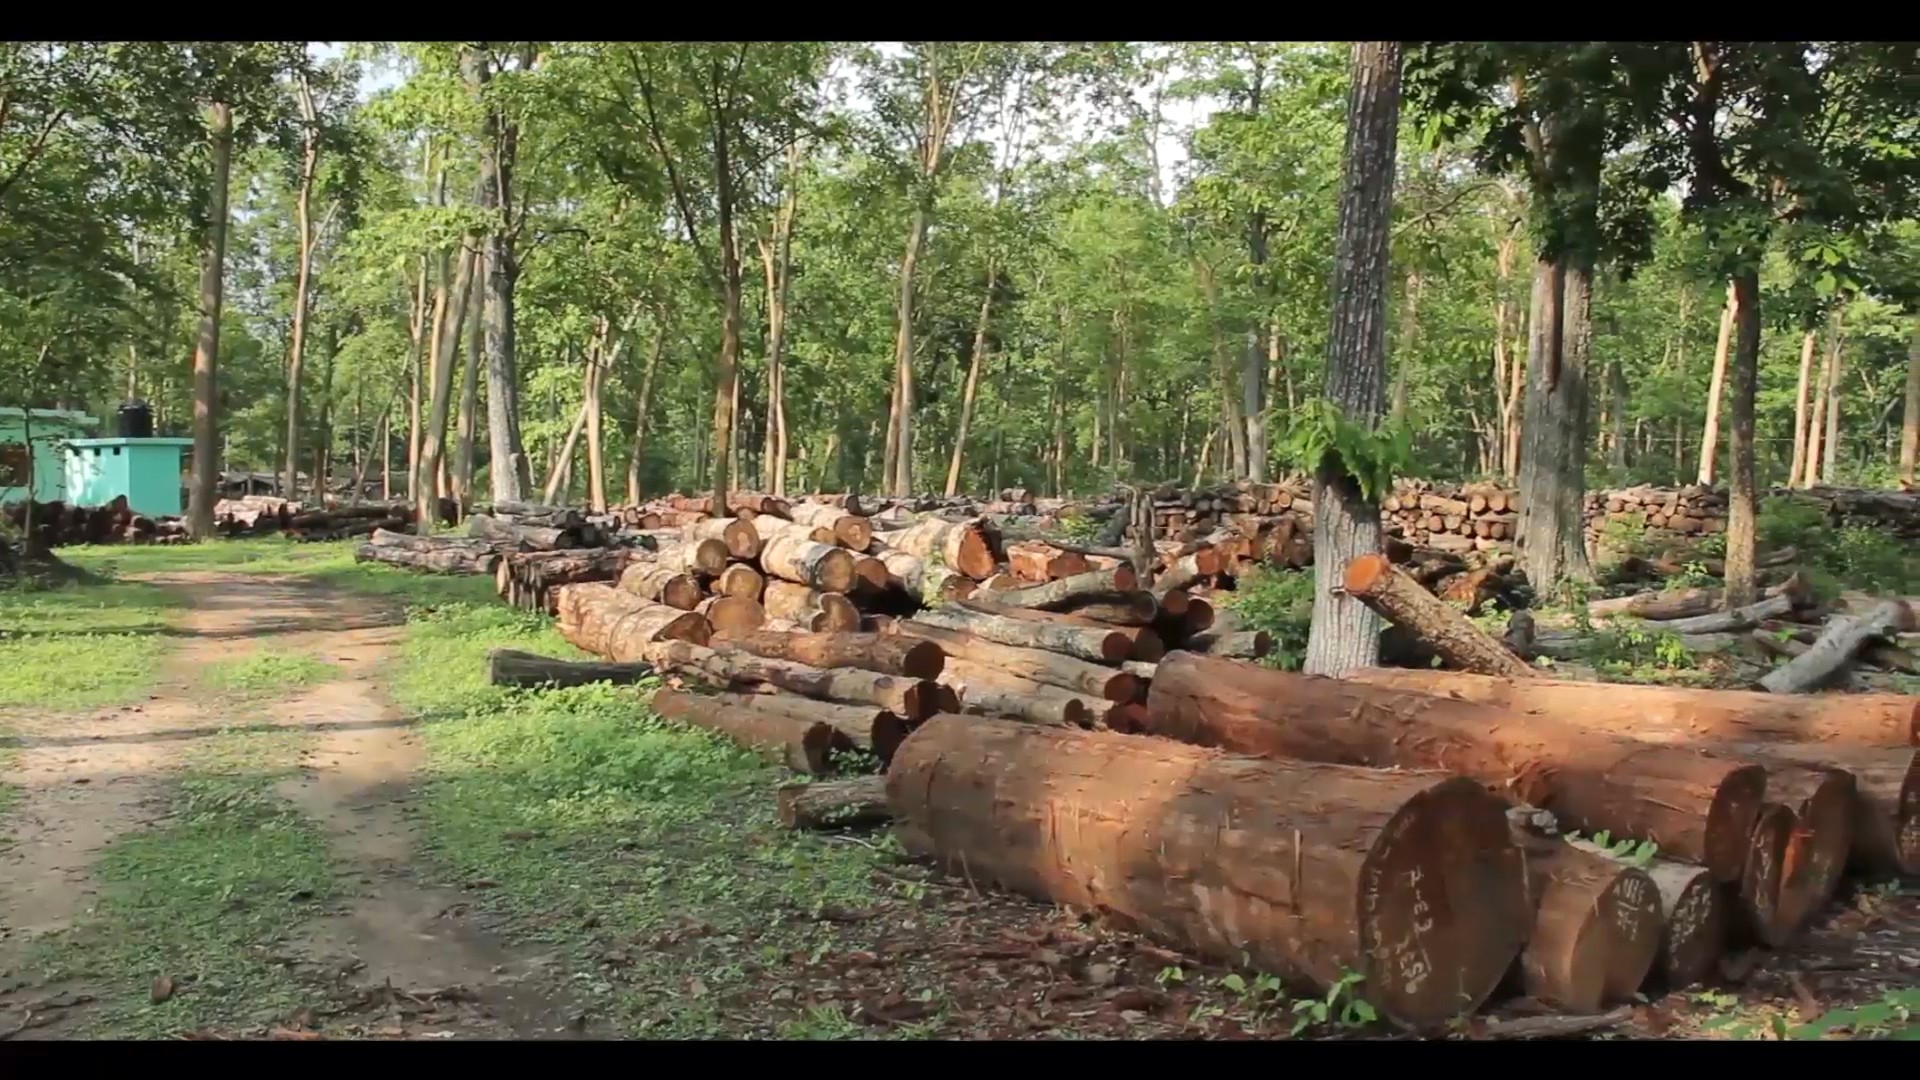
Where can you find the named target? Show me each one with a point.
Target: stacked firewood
(1692, 510)
(56, 524)
(1452, 518)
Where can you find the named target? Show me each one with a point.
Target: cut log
(888, 654)
(1693, 805)
(790, 557)
(511, 667)
(1239, 645)
(618, 625)
(740, 538)
(850, 530)
(970, 547)
(1127, 609)
(904, 572)
(1036, 561)
(1886, 808)
(1017, 699)
(1037, 665)
(858, 802)
(445, 561)
(1596, 929)
(870, 728)
(1066, 592)
(1325, 870)
(1143, 642)
(739, 579)
(1756, 914)
(663, 584)
(1693, 919)
(1686, 714)
(767, 526)
(521, 537)
(1836, 647)
(1718, 622)
(1104, 646)
(870, 575)
(1186, 570)
(733, 614)
(821, 612)
(1822, 801)
(705, 558)
(1445, 629)
(798, 744)
(912, 699)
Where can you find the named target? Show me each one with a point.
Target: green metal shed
(50, 429)
(146, 471)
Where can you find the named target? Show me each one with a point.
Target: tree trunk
(887, 654)
(855, 803)
(1910, 416)
(464, 464)
(1352, 856)
(644, 402)
(972, 387)
(1437, 624)
(559, 470)
(1710, 431)
(508, 469)
(1037, 665)
(1695, 806)
(1829, 470)
(1346, 633)
(802, 745)
(302, 210)
(1617, 446)
(446, 344)
(1552, 461)
(899, 471)
(1800, 409)
(1743, 511)
(1817, 422)
(511, 667)
(206, 352)
(1403, 349)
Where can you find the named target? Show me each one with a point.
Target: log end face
(1817, 851)
(1443, 907)
(1366, 574)
(836, 572)
(1631, 922)
(690, 627)
(1757, 912)
(1125, 579)
(1730, 822)
(923, 660)
(840, 614)
(1695, 934)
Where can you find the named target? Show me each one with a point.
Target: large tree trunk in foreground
(911, 699)
(511, 667)
(801, 745)
(1041, 666)
(1346, 523)
(1836, 646)
(887, 654)
(618, 625)
(1552, 462)
(1695, 806)
(857, 802)
(1437, 624)
(1679, 712)
(206, 350)
(1325, 871)
(1596, 929)
(1743, 508)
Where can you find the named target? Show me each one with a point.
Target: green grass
(202, 900)
(266, 672)
(252, 555)
(82, 645)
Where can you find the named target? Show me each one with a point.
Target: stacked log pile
(57, 524)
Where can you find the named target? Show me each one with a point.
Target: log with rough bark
(766, 526)
(513, 537)
(985, 693)
(904, 571)
(1886, 806)
(705, 558)
(663, 583)
(1409, 879)
(1186, 570)
(742, 541)
(618, 625)
(1038, 665)
(1144, 643)
(1238, 645)
(1596, 929)
(857, 802)
(1064, 593)
(870, 728)
(802, 745)
(821, 612)
(1101, 646)
(1127, 609)
(791, 557)
(450, 558)
(1657, 605)
(528, 579)
(970, 547)
(1038, 561)
(733, 614)
(511, 667)
(740, 503)
(1693, 805)
(1835, 649)
(1744, 618)
(1680, 713)
(888, 654)
(1445, 629)
(739, 579)
(911, 699)
(850, 530)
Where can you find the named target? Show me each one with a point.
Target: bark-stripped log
(1067, 592)
(662, 583)
(1596, 929)
(1102, 646)
(1038, 665)
(857, 802)
(742, 541)
(1693, 805)
(912, 699)
(801, 745)
(1697, 715)
(870, 728)
(1409, 879)
(1442, 627)
(1836, 647)
(790, 557)
(733, 614)
(739, 579)
(606, 621)
(850, 531)
(511, 667)
(888, 654)
(822, 612)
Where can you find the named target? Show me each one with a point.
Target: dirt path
(396, 958)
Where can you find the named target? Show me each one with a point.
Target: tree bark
(1836, 359)
(1069, 592)
(1710, 431)
(1800, 408)
(302, 211)
(1836, 647)
(1037, 665)
(1696, 806)
(464, 464)
(1100, 646)
(802, 745)
(446, 344)
(899, 470)
(1743, 496)
(643, 403)
(974, 363)
(911, 699)
(1817, 425)
(511, 667)
(1553, 459)
(1353, 856)
(1346, 633)
(855, 803)
(1910, 416)
(508, 469)
(887, 654)
(606, 621)
(206, 351)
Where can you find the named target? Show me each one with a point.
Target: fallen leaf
(162, 988)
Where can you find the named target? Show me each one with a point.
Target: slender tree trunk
(1800, 408)
(597, 363)
(973, 384)
(1617, 459)
(645, 402)
(1836, 369)
(1403, 361)
(1504, 363)
(1743, 501)
(448, 321)
(508, 469)
(1346, 633)
(726, 388)
(1910, 416)
(1710, 433)
(900, 469)
(1817, 422)
(469, 392)
(386, 457)
(323, 452)
(302, 207)
(777, 259)
(206, 352)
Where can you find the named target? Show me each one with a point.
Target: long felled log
(1067, 592)
(823, 612)
(521, 537)
(1143, 642)
(850, 531)
(511, 667)
(1693, 805)
(1836, 647)
(450, 559)
(1596, 930)
(1886, 807)
(662, 583)
(1409, 879)
(888, 654)
(791, 557)
(618, 625)
(1695, 715)
(1678, 604)
(1239, 645)
(1127, 609)
(871, 728)
(801, 745)
(1038, 665)
(969, 547)
(857, 802)
(1398, 598)
(1103, 646)
(912, 699)
(988, 691)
